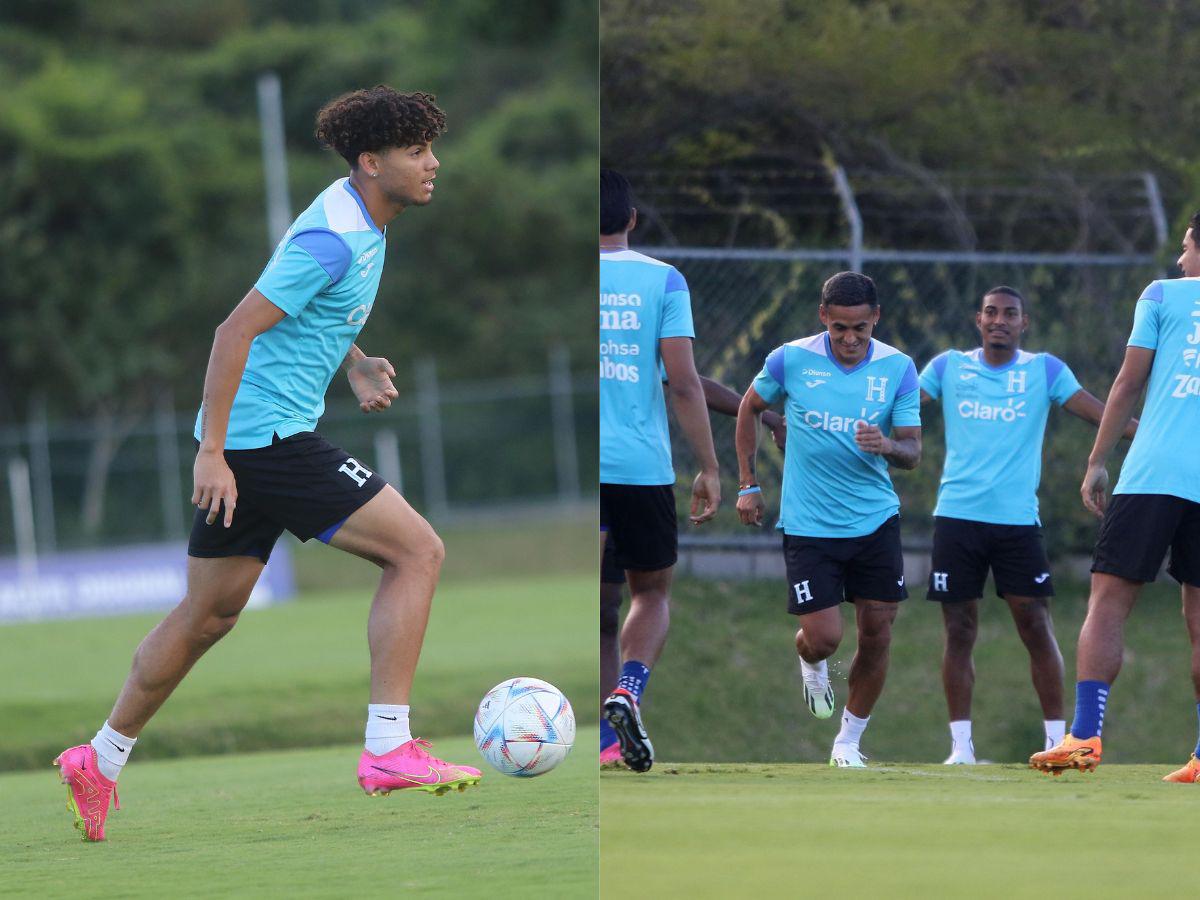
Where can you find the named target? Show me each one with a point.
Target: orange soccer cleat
(1072, 753)
(1189, 774)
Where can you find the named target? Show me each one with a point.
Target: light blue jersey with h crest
(324, 274)
(1163, 458)
(642, 300)
(995, 422)
(830, 487)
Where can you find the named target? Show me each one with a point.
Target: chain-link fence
(451, 447)
(747, 302)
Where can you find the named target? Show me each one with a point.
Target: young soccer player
(852, 407)
(1155, 505)
(261, 467)
(995, 400)
(645, 322)
(719, 399)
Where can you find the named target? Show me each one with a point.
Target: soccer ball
(524, 727)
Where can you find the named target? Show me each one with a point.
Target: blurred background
(941, 148)
(151, 152)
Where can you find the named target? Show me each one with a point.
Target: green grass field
(295, 824)
(895, 831)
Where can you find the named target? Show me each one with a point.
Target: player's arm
(213, 478)
(726, 401)
(1090, 408)
(749, 506)
(687, 399)
(1118, 410)
(925, 397)
(371, 379)
(902, 449)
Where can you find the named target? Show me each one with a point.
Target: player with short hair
(645, 322)
(1155, 505)
(996, 399)
(261, 467)
(719, 399)
(852, 407)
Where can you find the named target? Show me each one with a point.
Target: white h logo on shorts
(803, 594)
(939, 581)
(356, 470)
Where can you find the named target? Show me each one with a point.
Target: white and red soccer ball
(524, 727)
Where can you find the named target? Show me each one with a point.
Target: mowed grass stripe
(896, 831)
(297, 674)
(296, 824)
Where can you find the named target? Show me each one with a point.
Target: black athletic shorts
(610, 572)
(963, 550)
(302, 483)
(822, 572)
(1137, 531)
(640, 519)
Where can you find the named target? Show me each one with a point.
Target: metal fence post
(387, 458)
(42, 475)
(170, 487)
(433, 461)
(562, 409)
(22, 507)
(274, 153)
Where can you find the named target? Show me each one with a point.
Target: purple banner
(117, 580)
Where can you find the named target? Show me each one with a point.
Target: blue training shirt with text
(1163, 457)
(324, 275)
(995, 422)
(830, 487)
(642, 301)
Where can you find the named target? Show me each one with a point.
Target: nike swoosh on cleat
(411, 778)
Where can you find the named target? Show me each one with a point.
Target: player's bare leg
(868, 670)
(1190, 772)
(217, 592)
(1101, 645)
(642, 639)
(391, 534)
(1036, 630)
(961, 621)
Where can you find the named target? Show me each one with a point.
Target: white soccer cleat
(961, 756)
(818, 692)
(847, 756)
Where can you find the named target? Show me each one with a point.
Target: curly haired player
(261, 467)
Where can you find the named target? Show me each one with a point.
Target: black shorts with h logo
(823, 572)
(302, 483)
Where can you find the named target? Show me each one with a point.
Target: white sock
(817, 669)
(112, 751)
(387, 728)
(1056, 730)
(960, 734)
(852, 729)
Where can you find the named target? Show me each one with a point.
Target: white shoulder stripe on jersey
(882, 351)
(632, 256)
(815, 343)
(342, 211)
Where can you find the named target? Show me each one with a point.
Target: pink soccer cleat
(88, 792)
(610, 757)
(412, 766)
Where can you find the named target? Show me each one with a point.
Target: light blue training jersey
(1163, 458)
(830, 487)
(324, 274)
(642, 300)
(995, 422)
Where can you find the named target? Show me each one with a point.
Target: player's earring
(374, 174)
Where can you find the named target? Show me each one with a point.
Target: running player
(852, 407)
(261, 467)
(995, 399)
(645, 320)
(719, 399)
(1155, 505)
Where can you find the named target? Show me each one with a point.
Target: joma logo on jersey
(619, 320)
(823, 421)
(1186, 386)
(973, 409)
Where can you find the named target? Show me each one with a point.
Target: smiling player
(996, 399)
(261, 467)
(851, 405)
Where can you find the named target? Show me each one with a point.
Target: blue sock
(1090, 699)
(1198, 742)
(607, 735)
(634, 676)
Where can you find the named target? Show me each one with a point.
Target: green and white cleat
(818, 692)
(847, 756)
